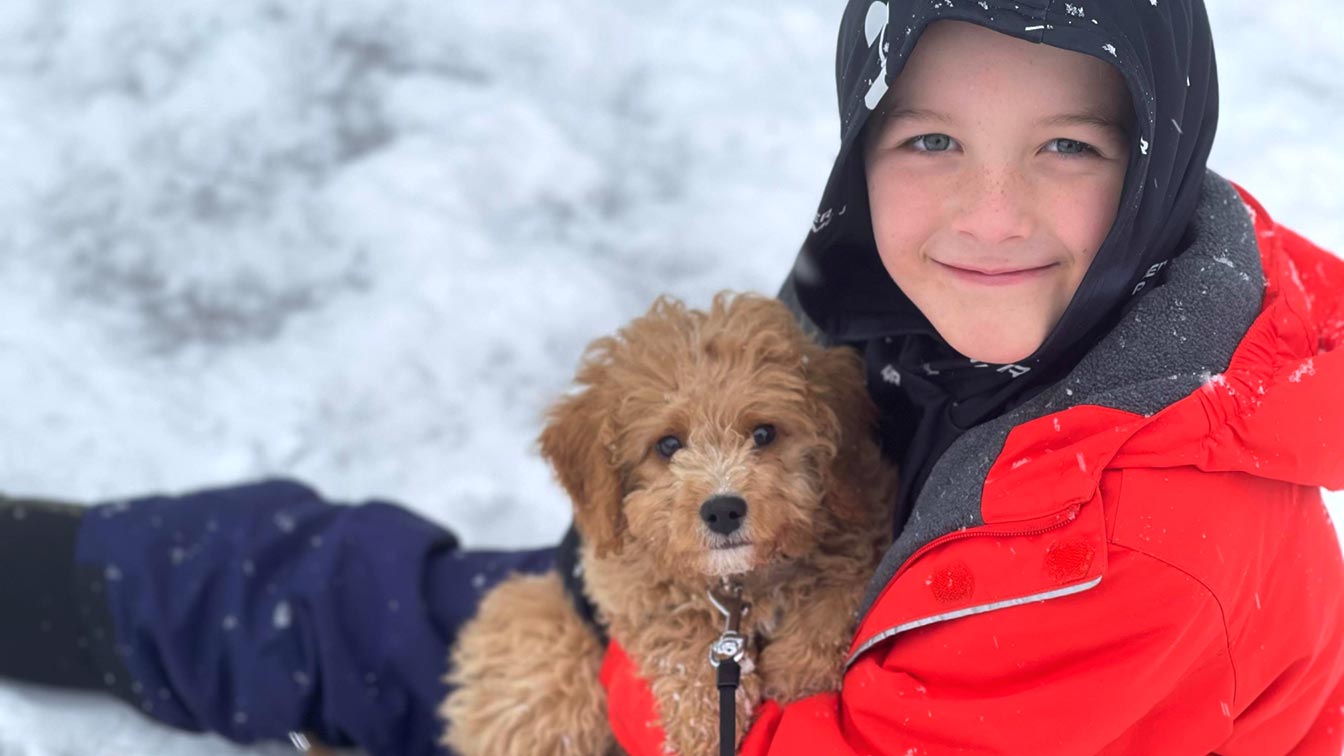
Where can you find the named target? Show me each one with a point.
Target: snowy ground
(363, 243)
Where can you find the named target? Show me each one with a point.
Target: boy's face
(989, 199)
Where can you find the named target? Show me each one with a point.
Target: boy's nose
(996, 207)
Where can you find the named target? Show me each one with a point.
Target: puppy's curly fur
(759, 412)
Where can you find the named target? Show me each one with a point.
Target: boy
(1024, 242)
(1085, 365)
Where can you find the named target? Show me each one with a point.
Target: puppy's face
(708, 440)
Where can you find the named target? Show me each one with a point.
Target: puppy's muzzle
(724, 514)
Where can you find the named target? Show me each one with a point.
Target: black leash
(729, 675)
(726, 655)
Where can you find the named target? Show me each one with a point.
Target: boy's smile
(994, 170)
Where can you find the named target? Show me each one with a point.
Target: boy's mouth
(996, 277)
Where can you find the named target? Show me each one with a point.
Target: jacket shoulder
(1267, 552)
(1195, 519)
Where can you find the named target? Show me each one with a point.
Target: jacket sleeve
(257, 610)
(1125, 667)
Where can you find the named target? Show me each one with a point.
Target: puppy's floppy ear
(576, 442)
(836, 375)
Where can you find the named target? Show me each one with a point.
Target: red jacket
(1152, 570)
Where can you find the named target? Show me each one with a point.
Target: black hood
(1164, 51)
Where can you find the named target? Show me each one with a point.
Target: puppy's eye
(667, 446)
(763, 435)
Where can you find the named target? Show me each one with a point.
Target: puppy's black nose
(724, 514)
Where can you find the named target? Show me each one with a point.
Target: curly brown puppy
(701, 445)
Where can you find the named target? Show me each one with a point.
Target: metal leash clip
(726, 655)
(731, 645)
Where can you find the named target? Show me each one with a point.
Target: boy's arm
(257, 610)
(1136, 665)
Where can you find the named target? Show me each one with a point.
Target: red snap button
(1068, 560)
(952, 583)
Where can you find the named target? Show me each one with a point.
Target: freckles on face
(994, 170)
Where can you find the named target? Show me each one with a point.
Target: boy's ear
(576, 441)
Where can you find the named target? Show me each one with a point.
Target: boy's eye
(1071, 147)
(932, 143)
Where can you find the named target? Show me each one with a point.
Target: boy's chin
(993, 344)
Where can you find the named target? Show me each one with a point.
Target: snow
(363, 244)
(282, 615)
(1308, 367)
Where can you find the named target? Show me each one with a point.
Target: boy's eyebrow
(916, 113)
(1086, 118)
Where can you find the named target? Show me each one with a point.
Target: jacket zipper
(1071, 515)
